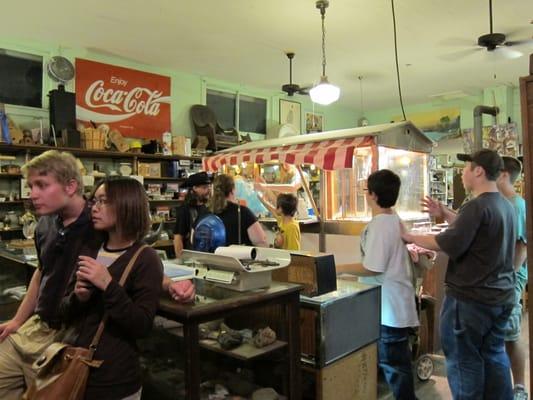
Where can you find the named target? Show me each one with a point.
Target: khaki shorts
(33, 337)
(19, 351)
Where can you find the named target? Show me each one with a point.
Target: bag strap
(239, 223)
(101, 326)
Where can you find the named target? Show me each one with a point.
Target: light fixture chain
(323, 44)
(361, 93)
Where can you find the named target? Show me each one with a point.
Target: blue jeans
(472, 339)
(395, 361)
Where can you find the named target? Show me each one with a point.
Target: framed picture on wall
(314, 122)
(290, 112)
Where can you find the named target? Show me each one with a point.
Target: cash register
(239, 268)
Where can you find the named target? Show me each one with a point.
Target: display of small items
(229, 338)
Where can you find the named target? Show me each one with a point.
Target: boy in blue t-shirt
(513, 344)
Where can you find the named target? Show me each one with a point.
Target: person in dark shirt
(224, 204)
(120, 210)
(480, 281)
(199, 191)
(63, 232)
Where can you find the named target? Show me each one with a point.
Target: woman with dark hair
(120, 211)
(224, 204)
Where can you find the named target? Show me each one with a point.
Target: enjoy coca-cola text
(138, 100)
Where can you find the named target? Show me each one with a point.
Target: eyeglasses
(98, 203)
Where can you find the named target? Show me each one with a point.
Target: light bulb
(324, 93)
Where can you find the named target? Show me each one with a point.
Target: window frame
(45, 81)
(238, 93)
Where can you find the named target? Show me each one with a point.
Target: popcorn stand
(332, 168)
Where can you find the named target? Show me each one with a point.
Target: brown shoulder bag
(63, 370)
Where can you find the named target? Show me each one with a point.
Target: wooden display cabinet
(214, 303)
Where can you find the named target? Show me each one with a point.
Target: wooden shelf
(171, 201)
(163, 179)
(38, 149)
(245, 351)
(10, 176)
(168, 221)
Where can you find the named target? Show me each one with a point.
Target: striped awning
(328, 154)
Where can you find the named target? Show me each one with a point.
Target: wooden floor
(437, 386)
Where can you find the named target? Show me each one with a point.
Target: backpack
(209, 232)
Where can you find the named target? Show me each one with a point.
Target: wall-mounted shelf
(165, 163)
(37, 149)
(12, 203)
(10, 176)
(170, 201)
(163, 179)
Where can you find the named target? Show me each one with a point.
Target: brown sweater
(131, 311)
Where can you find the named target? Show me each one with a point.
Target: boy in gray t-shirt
(386, 262)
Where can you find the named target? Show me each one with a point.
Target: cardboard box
(151, 170)
(353, 377)
(181, 145)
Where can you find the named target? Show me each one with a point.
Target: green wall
(507, 98)
(187, 89)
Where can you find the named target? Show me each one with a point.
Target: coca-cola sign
(135, 103)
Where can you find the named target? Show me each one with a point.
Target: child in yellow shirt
(289, 236)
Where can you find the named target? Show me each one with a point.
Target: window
(21, 79)
(224, 106)
(252, 114)
(233, 110)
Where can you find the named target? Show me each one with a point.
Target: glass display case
(345, 197)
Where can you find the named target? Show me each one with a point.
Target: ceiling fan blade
(506, 52)
(518, 32)
(519, 42)
(304, 89)
(457, 55)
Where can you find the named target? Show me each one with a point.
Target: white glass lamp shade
(324, 93)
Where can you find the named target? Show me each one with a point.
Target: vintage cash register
(236, 267)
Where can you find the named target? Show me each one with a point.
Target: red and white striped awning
(327, 154)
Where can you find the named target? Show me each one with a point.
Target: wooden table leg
(192, 361)
(293, 321)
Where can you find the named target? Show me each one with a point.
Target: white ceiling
(243, 41)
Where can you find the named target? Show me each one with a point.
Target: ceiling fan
(495, 42)
(292, 88)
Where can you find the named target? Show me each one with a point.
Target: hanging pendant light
(324, 93)
(362, 120)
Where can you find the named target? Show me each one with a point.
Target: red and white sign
(135, 103)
